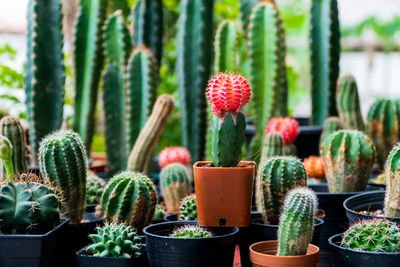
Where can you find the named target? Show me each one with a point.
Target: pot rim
(244, 165)
(82, 251)
(336, 194)
(63, 221)
(286, 257)
(332, 243)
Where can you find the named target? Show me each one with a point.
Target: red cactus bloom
(174, 155)
(314, 167)
(288, 127)
(228, 92)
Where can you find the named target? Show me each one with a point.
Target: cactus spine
(297, 222)
(174, 185)
(277, 177)
(44, 71)
(188, 208)
(6, 152)
(150, 133)
(392, 196)
(194, 52)
(11, 128)
(331, 125)
(141, 91)
(94, 189)
(325, 54)
(63, 161)
(226, 46)
(348, 103)
(348, 158)
(191, 231)
(273, 146)
(245, 9)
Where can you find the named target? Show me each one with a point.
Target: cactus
(194, 53)
(383, 126)
(88, 64)
(190, 231)
(297, 222)
(275, 179)
(63, 162)
(94, 189)
(148, 26)
(227, 93)
(348, 158)
(122, 6)
(376, 235)
(245, 8)
(188, 208)
(159, 213)
(325, 54)
(331, 125)
(116, 241)
(150, 133)
(173, 155)
(141, 91)
(174, 185)
(11, 128)
(44, 71)
(117, 50)
(225, 47)
(392, 196)
(6, 152)
(273, 146)
(129, 198)
(314, 167)
(288, 127)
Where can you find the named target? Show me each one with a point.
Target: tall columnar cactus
(297, 222)
(6, 152)
(141, 91)
(88, 64)
(267, 50)
(226, 46)
(194, 53)
(348, 158)
(63, 161)
(174, 185)
(188, 208)
(348, 103)
(277, 177)
(11, 128)
(150, 133)
(392, 197)
(325, 54)
(383, 126)
(44, 71)
(117, 47)
(331, 125)
(148, 26)
(227, 93)
(245, 9)
(129, 198)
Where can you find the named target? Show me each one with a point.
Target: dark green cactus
(245, 9)
(129, 198)
(273, 146)
(94, 189)
(383, 126)
(159, 213)
(348, 103)
(277, 177)
(188, 208)
(44, 71)
(297, 222)
(191, 231)
(88, 64)
(348, 158)
(392, 196)
(141, 91)
(194, 53)
(6, 152)
(331, 125)
(148, 26)
(226, 47)
(63, 162)
(325, 54)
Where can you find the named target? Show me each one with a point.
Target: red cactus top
(288, 127)
(174, 155)
(228, 92)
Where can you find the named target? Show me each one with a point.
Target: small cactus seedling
(159, 213)
(314, 167)
(94, 189)
(331, 125)
(188, 209)
(191, 231)
(392, 197)
(6, 151)
(174, 155)
(376, 235)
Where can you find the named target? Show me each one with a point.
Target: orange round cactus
(174, 155)
(288, 127)
(314, 167)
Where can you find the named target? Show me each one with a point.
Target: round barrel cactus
(191, 231)
(331, 124)
(173, 155)
(188, 209)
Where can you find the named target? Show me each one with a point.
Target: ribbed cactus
(331, 125)
(392, 196)
(297, 222)
(188, 208)
(11, 128)
(6, 152)
(88, 64)
(174, 185)
(150, 133)
(148, 26)
(129, 198)
(348, 158)
(314, 167)
(194, 54)
(118, 45)
(273, 146)
(267, 49)
(44, 71)
(141, 91)
(383, 126)
(348, 103)
(191, 231)
(63, 162)
(226, 47)
(94, 189)
(245, 9)
(325, 54)
(276, 178)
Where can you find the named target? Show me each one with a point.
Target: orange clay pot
(99, 162)
(224, 194)
(263, 254)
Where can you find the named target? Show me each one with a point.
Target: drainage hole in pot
(222, 221)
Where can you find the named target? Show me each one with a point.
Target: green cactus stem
(188, 208)
(226, 47)
(6, 152)
(122, 6)
(191, 231)
(94, 189)
(331, 125)
(392, 196)
(273, 146)
(245, 9)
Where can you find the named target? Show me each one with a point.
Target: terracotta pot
(224, 194)
(99, 162)
(264, 254)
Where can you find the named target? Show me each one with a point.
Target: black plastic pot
(307, 142)
(344, 257)
(366, 201)
(165, 251)
(173, 217)
(263, 232)
(91, 208)
(31, 250)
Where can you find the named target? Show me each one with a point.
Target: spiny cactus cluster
(289, 129)
(6, 151)
(191, 231)
(174, 155)
(115, 240)
(188, 208)
(94, 189)
(392, 196)
(331, 125)
(314, 167)
(376, 235)
(159, 212)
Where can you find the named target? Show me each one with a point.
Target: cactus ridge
(392, 195)
(225, 47)
(188, 208)
(94, 189)
(6, 152)
(331, 125)
(190, 231)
